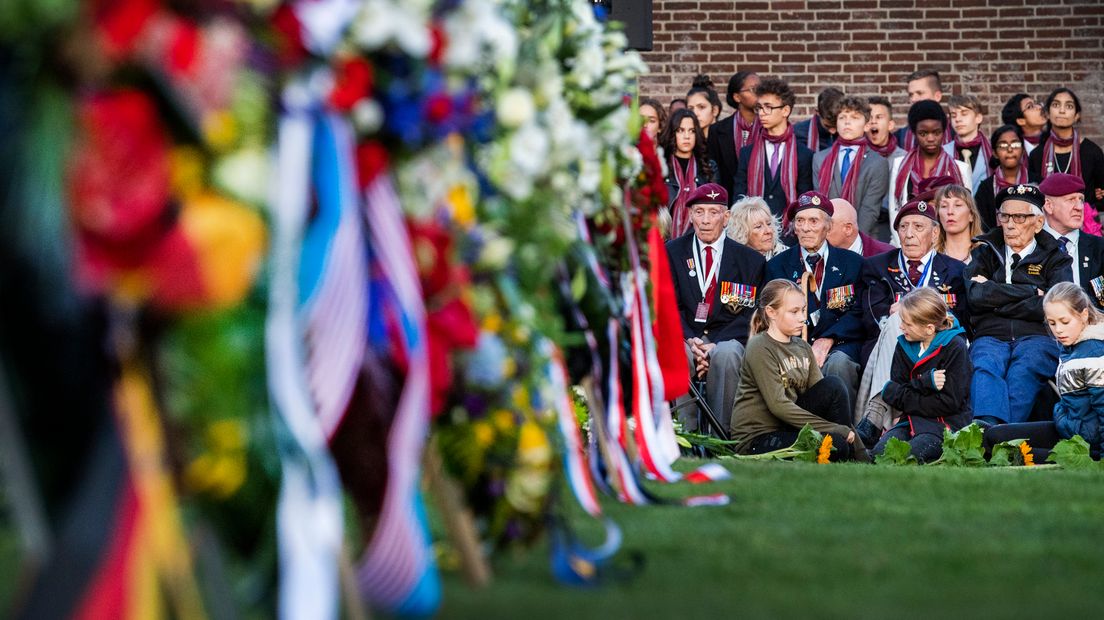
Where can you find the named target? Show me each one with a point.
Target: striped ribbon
(309, 510)
(396, 571)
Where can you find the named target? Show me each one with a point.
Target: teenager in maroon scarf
(1023, 111)
(850, 169)
(881, 135)
(1010, 168)
(1058, 153)
(819, 132)
(775, 165)
(922, 85)
(687, 166)
(928, 123)
(969, 145)
(736, 131)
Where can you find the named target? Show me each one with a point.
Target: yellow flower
(230, 243)
(484, 433)
(186, 165)
(1028, 457)
(226, 435)
(521, 398)
(825, 450)
(220, 130)
(492, 323)
(503, 419)
(463, 209)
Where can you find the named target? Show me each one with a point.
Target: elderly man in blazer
(1065, 212)
(717, 282)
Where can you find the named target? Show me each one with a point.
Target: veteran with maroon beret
(717, 282)
(834, 286)
(1064, 206)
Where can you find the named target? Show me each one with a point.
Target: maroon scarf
(1032, 140)
(687, 183)
(914, 164)
(757, 165)
(743, 132)
(813, 140)
(828, 168)
(910, 138)
(886, 150)
(1050, 158)
(1021, 177)
(985, 153)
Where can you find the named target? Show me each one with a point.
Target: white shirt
(1008, 259)
(823, 251)
(1073, 236)
(844, 150)
(771, 148)
(857, 245)
(718, 248)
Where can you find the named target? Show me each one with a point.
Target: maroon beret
(708, 194)
(920, 205)
(1062, 184)
(811, 200)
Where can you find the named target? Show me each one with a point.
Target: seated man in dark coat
(1015, 265)
(834, 284)
(1065, 213)
(717, 281)
(887, 278)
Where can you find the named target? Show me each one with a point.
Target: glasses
(1019, 218)
(1009, 146)
(1029, 104)
(762, 108)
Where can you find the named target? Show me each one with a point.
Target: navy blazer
(1090, 262)
(721, 148)
(739, 265)
(801, 132)
(773, 193)
(844, 324)
(884, 280)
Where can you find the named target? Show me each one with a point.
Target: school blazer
(801, 132)
(773, 193)
(843, 324)
(873, 183)
(739, 264)
(883, 281)
(721, 148)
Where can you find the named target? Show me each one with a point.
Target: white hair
(742, 209)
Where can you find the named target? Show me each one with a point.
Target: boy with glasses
(775, 166)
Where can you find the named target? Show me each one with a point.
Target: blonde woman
(959, 221)
(752, 224)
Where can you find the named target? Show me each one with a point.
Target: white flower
(404, 23)
(590, 175)
(244, 174)
(529, 150)
(367, 116)
(515, 108)
(496, 252)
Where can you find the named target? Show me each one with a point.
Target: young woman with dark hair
(1009, 168)
(1062, 148)
(687, 166)
(703, 100)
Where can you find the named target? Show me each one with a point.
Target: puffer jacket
(1080, 411)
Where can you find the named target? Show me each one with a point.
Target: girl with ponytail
(929, 383)
(781, 386)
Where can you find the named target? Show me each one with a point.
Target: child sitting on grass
(781, 386)
(1079, 328)
(930, 377)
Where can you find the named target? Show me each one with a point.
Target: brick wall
(991, 48)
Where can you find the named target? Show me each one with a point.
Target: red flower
(121, 23)
(184, 48)
(371, 159)
(438, 107)
(289, 36)
(353, 83)
(438, 45)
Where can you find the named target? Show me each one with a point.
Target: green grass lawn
(837, 541)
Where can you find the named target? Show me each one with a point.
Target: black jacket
(986, 201)
(1090, 263)
(911, 387)
(773, 193)
(739, 265)
(884, 281)
(707, 173)
(1010, 310)
(844, 323)
(801, 132)
(721, 148)
(1092, 168)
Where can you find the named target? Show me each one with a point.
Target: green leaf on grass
(1072, 453)
(963, 449)
(1007, 454)
(808, 440)
(896, 452)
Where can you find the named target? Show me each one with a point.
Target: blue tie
(846, 165)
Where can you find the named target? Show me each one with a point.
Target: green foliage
(804, 448)
(896, 452)
(962, 449)
(1007, 454)
(1072, 453)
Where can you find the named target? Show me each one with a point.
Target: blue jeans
(1008, 375)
